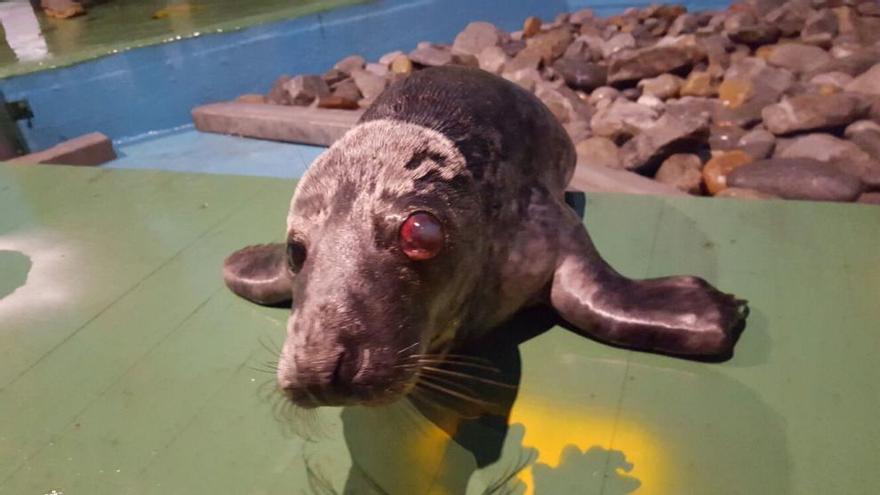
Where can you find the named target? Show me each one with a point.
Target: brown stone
(813, 111)
(796, 179)
(716, 170)
(303, 90)
(798, 58)
(671, 133)
(867, 83)
(736, 91)
(842, 154)
(431, 55)
(493, 59)
(664, 86)
(598, 152)
(531, 27)
(369, 84)
(401, 64)
(623, 119)
(699, 83)
(350, 63)
(278, 94)
(478, 36)
(668, 55)
(549, 45)
(681, 171)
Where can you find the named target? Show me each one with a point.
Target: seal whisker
(432, 369)
(456, 357)
(446, 382)
(459, 395)
(408, 347)
(454, 363)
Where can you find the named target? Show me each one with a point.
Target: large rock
(745, 28)
(843, 155)
(303, 90)
(493, 59)
(720, 166)
(798, 57)
(623, 119)
(547, 46)
(478, 36)
(866, 135)
(668, 55)
(801, 178)
(350, 63)
(813, 111)
(664, 86)
(867, 83)
(668, 135)
(431, 55)
(758, 143)
(598, 152)
(725, 137)
(580, 74)
(681, 171)
(278, 94)
(369, 84)
(789, 17)
(565, 104)
(820, 28)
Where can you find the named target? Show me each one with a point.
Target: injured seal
(435, 220)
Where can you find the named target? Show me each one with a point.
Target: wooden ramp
(126, 367)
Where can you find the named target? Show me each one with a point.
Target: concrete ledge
(316, 126)
(603, 179)
(88, 150)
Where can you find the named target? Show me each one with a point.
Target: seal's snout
(345, 376)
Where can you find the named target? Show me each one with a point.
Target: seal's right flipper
(259, 274)
(683, 316)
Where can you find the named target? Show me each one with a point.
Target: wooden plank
(305, 125)
(89, 150)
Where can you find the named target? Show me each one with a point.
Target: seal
(432, 222)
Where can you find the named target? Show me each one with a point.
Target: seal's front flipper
(259, 274)
(682, 316)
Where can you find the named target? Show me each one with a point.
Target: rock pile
(769, 98)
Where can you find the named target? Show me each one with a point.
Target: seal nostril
(337, 379)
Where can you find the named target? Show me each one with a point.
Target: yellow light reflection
(551, 427)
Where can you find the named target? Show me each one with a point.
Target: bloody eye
(421, 236)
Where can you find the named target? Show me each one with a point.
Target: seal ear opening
(259, 274)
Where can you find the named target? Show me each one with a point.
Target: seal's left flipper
(683, 316)
(259, 274)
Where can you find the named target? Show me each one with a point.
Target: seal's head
(376, 240)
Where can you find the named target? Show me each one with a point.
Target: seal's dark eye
(421, 236)
(296, 255)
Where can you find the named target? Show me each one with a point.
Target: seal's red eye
(421, 236)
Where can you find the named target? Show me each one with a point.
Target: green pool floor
(127, 368)
(30, 40)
